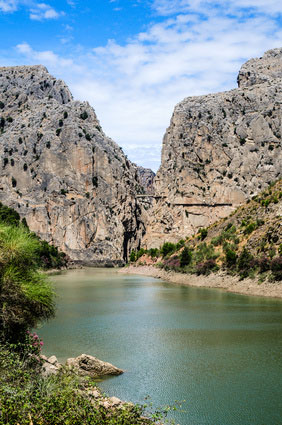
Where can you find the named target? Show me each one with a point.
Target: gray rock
(53, 360)
(73, 184)
(219, 151)
(91, 366)
(49, 369)
(146, 177)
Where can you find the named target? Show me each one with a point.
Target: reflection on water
(220, 352)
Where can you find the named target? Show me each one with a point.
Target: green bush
(132, 256)
(25, 295)
(230, 258)
(153, 252)
(185, 257)
(203, 233)
(167, 248)
(245, 263)
(140, 253)
(250, 228)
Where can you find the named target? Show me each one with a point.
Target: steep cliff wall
(219, 150)
(74, 185)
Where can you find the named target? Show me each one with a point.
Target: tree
(132, 256)
(25, 295)
(167, 248)
(185, 257)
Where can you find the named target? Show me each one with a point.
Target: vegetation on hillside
(46, 256)
(247, 243)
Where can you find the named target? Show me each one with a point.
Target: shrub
(172, 263)
(84, 115)
(185, 257)
(25, 295)
(206, 267)
(203, 233)
(2, 105)
(9, 216)
(140, 253)
(61, 123)
(132, 257)
(14, 182)
(154, 252)
(276, 268)
(65, 115)
(230, 258)
(95, 181)
(167, 248)
(87, 137)
(245, 263)
(180, 244)
(250, 228)
(58, 131)
(263, 264)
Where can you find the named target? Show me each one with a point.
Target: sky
(134, 60)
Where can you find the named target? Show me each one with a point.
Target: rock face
(219, 150)
(74, 185)
(86, 365)
(146, 177)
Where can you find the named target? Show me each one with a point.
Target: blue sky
(133, 60)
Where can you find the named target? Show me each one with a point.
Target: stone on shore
(87, 365)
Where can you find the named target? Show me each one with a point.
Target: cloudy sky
(133, 60)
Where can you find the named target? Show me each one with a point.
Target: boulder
(86, 365)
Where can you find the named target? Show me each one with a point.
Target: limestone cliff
(146, 177)
(219, 150)
(74, 185)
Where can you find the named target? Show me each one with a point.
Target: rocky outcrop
(219, 150)
(73, 184)
(146, 177)
(83, 365)
(86, 365)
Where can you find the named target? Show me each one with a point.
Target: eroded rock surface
(86, 365)
(219, 150)
(146, 177)
(74, 185)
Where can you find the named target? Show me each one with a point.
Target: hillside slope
(248, 243)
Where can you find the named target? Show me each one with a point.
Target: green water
(220, 352)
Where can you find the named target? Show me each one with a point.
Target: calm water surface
(220, 352)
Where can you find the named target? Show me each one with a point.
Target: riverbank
(215, 280)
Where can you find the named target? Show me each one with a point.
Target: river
(220, 352)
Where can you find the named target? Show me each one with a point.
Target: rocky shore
(215, 280)
(86, 366)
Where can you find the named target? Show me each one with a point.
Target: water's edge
(214, 280)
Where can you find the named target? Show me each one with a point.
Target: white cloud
(43, 11)
(8, 5)
(47, 57)
(168, 7)
(135, 86)
(37, 11)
